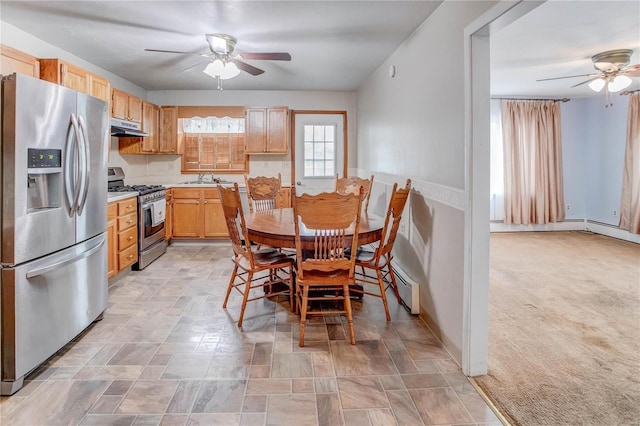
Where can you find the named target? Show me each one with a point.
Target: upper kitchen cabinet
(125, 106)
(73, 77)
(168, 134)
(160, 123)
(267, 130)
(12, 60)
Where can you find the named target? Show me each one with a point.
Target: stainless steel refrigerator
(54, 220)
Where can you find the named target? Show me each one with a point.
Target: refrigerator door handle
(85, 164)
(69, 150)
(48, 268)
(77, 166)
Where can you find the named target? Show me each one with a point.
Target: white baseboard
(611, 231)
(570, 225)
(567, 225)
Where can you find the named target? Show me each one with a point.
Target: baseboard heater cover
(407, 287)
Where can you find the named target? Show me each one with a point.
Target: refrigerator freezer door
(35, 207)
(92, 204)
(46, 303)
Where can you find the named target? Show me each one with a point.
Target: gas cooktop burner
(141, 189)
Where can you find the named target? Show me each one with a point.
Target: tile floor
(166, 353)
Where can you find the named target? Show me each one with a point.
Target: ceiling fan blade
(171, 51)
(195, 65)
(585, 82)
(632, 70)
(276, 56)
(247, 68)
(569, 76)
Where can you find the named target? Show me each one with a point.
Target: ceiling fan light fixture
(230, 70)
(618, 83)
(597, 84)
(214, 68)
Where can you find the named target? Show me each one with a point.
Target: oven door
(149, 233)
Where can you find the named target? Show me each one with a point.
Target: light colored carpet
(564, 329)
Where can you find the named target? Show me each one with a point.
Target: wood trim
(292, 137)
(211, 111)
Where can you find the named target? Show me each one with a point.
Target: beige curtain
(533, 189)
(630, 203)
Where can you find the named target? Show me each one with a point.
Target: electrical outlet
(568, 206)
(615, 213)
(403, 228)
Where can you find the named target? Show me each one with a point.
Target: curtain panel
(533, 184)
(630, 203)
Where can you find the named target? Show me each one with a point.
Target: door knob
(299, 183)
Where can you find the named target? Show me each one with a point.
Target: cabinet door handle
(130, 257)
(206, 202)
(197, 202)
(130, 237)
(130, 221)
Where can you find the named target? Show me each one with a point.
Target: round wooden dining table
(275, 228)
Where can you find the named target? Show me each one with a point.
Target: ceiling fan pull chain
(219, 84)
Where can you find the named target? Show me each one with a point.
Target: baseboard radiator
(407, 287)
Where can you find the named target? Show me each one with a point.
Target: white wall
(413, 126)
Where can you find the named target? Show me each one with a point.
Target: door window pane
(319, 150)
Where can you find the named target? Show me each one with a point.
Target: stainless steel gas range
(151, 217)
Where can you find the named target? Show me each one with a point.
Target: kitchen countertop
(200, 185)
(118, 196)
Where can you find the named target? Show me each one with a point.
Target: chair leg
(230, 287)
(383, 294)
(291, 291)
(303, 312)
(393, 282)
(347, 307)
(247, 285)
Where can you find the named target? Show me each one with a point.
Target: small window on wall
(319, 151)
(213, 144)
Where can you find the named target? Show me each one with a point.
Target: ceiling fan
(222, 60)
(614, 71)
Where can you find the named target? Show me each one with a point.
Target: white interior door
(319, 142)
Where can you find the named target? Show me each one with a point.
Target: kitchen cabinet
(125, 106)
(168, 130)
(168, 221)
(122, 233)
(148, 144)
(197, 213)
(12, 60)
(267, 130)
(74, 77)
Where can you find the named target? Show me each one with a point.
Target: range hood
(126, 128)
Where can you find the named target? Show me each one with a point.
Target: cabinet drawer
(126, 222)
(127, 238)
(211, 193)
(112, 211)
(127, 206)
(128, 257)
(185, 193)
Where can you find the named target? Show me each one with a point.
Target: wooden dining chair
(246, 262)
(379, 260)
(333, 221)
(349, 185)
(262, 192)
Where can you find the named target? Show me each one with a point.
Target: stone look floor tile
(361, 392)
(166, 353)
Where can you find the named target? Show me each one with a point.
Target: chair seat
(365, 256)
(322, 278)
(266, 258)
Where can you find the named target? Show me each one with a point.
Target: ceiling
(335, 45)
(558, 39)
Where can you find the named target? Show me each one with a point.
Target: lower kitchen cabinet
(122, 234)
(168, 217)
(197, 213)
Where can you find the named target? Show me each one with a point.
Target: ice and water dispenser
(44, 179)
